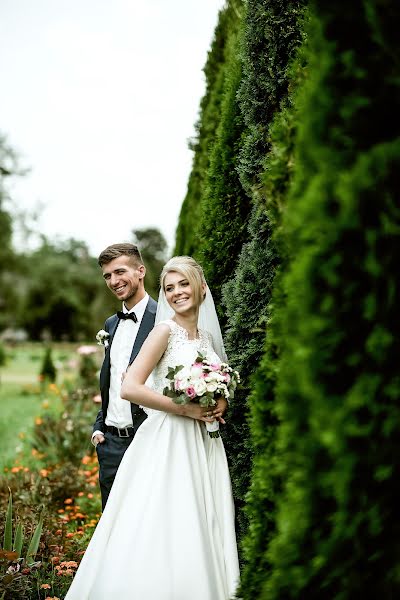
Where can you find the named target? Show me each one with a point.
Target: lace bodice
(181, 351)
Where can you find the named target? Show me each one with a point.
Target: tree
(8, 298)
(63, 293)
(153, 248)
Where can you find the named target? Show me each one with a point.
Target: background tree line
(292, 208)
(56, 290)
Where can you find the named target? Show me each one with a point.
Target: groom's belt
(124, 432)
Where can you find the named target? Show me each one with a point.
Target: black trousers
(109, 455)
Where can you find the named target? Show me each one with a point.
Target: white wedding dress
(167, 532)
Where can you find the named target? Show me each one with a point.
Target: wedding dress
(167, 532)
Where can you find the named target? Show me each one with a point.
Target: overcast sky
(99, 98)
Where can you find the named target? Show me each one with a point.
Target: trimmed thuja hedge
(186, 241)
(271, 33)
(225, 207)
(335, 332)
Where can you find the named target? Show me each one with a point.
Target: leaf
(19, 539)
(34, 543)
(8, 525)
(7, 579)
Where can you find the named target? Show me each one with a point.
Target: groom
(118, 420)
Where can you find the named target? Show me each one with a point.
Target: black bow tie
(122, 315)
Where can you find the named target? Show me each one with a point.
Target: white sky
(99, 98)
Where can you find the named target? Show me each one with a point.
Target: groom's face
(124, 277)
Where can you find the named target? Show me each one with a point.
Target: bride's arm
(134, 388)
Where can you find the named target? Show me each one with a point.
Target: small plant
(48, 371)
(3, 357)
(13, 546)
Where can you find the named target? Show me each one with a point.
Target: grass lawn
(21, 396)
(17, 415)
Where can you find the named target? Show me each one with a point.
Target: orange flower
(45, 586)
(70, 534)
(44, 472)
(55, 559)
(80, 494)
(68, 501)
(38, 421)
(90, 495)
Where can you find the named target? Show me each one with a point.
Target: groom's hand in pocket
(98, 439)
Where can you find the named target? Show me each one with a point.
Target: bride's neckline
(195, 339)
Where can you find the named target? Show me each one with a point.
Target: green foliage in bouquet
(335, 328)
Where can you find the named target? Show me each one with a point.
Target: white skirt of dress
(167, 532)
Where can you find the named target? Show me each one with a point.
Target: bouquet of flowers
(202, 382)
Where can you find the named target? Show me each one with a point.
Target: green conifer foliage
(271, 35)
(186, 241)
(225, 207)
(272, 32)
(335, 327)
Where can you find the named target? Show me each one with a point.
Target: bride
(167, 532)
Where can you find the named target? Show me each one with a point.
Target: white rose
(211, 387)
(200, 387)
(184, 373)
(196, 372)
(213, 376)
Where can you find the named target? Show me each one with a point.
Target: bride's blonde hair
(191, 270)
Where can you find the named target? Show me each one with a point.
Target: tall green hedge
(187, 238)
(335, 329)
(272, 32)
(225, 206)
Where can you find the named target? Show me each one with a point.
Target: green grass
(17, 416)
(22, 398)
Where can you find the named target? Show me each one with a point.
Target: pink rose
(190, 391)
(215, 367)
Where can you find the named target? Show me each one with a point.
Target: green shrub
(335, 325)
(48, 371)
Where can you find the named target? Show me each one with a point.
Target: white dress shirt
(119, 410)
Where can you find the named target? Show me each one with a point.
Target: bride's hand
(220, 409)
(195, 411)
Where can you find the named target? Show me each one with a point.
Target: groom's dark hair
(116, 250)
